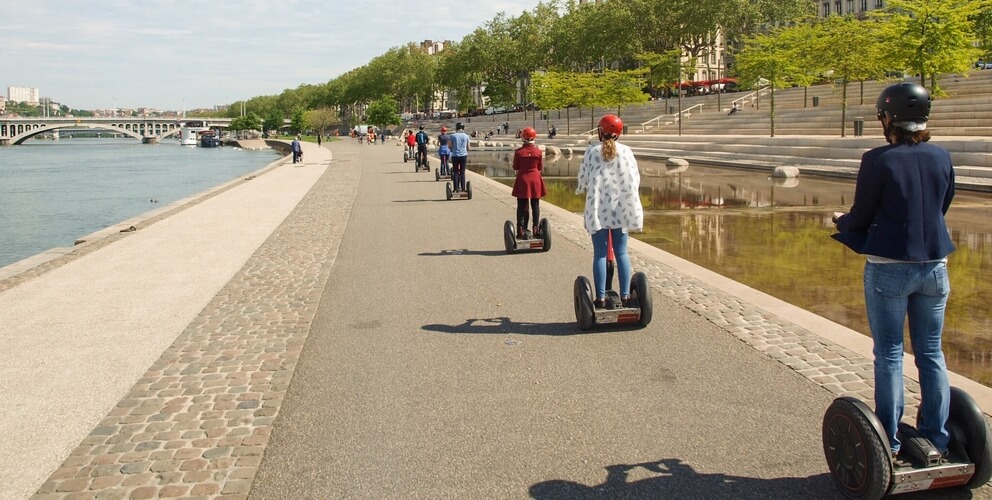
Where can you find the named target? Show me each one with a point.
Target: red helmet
(444, 129)
(611, 126)
(528, 134)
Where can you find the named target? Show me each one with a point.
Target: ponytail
(609, 148)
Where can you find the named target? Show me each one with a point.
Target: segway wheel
(545, 234)
(584, 312)
(437, 175)
(468, 189)
(447, 189)
(640, 290)
(509, 237)
(974, 429)
(856, 450)
(406, 157)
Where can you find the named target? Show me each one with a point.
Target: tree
(834, 38)
(382, 112)
(320, 119)
(273, 121)
(767, 58)
(983, 30)
(296, 123)
(933, 36)
(251, 121)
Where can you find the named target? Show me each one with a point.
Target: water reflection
(774, 235)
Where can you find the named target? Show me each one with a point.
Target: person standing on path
(459, 156)
(528, 188)
(610, 178)
(897, 221)
(297, 149)
(443, 152)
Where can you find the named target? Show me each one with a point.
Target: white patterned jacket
(611, 187)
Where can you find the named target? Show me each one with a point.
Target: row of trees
(562, 54)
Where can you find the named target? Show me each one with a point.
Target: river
(55, 191)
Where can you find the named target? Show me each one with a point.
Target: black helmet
(904, 102)
(459, 126)
(421, 127)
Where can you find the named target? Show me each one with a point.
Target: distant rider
(528, 188)
(422, 140)
(443, 151)
(459, 156)
(411, 142)
(297, 150)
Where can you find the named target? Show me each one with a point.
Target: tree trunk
(771, 112)
(843, 109)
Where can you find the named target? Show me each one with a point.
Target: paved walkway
(425, 363)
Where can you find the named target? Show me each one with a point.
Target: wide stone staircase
(807, 134)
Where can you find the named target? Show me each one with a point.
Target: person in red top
(529, 185)
(411, 142)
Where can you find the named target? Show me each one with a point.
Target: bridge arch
(28, 131)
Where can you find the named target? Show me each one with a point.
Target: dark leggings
(458, 172)
(535, 206)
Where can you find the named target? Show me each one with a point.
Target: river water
(53, 192)
(774, 236)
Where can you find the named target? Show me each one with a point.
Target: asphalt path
(440, 367)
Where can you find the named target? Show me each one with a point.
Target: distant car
(983, 64)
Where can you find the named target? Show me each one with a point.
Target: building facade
(845, 7)
(29, 95)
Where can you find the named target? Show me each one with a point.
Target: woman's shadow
(504, 325)
(674, 479)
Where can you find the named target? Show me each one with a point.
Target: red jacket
(528, 164)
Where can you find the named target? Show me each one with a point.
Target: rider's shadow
(503, 325)
(671, 478)
(462, 251)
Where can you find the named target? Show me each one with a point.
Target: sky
(181, 54)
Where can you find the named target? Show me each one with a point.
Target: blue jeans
(599, 250)
(919, 291)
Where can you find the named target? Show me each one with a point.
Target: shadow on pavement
(504, 325)
(421, 200)
(463, 251)
(674, 479)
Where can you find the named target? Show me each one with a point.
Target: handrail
(762, 90)
(677, 116)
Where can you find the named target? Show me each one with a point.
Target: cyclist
(422, 140)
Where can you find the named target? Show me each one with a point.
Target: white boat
(189, 133)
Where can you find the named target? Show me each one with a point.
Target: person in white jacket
(610, 179)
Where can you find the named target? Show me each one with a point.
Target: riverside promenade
(339, 330)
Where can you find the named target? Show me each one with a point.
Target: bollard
(859, 126)
(816, 101)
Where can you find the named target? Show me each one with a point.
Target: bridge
(150, 130)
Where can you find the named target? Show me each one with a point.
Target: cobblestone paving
(196, 424)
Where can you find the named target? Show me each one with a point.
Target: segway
(422, 163)
(513, 243)
(406, 155)
(458, 195)
(861, 465)
(638, 308)
(439, 176)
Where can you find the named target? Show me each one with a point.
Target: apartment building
(23, 94)
(845, 7)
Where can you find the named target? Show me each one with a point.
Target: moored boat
(189, 133)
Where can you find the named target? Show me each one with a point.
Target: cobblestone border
(196, 424)
(827, 364)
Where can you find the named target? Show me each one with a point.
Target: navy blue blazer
(902, 194)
